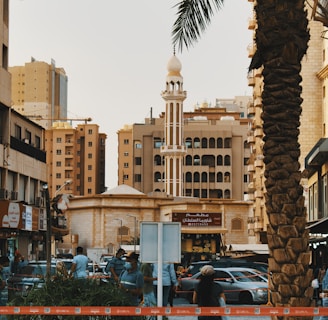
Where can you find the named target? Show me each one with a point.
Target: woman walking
(208, 293)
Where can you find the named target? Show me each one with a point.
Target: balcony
(250, 168)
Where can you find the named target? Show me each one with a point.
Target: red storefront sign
(198, 219)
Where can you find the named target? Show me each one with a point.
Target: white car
(240, 285)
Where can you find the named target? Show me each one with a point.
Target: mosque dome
(174, 66)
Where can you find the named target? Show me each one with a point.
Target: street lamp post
(48, 231)
(135, 231)
(120, 230)
(49, 223)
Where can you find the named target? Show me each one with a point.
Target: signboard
(11, 214)
(198, 219)
(160, 238)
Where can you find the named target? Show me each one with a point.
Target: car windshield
(246, 276)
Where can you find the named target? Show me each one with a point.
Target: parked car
(194, 267)
(31, 275)
(240, 285)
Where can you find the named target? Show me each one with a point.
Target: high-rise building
(39, 91)
(75, 159)
(312, 125)
(204, 152)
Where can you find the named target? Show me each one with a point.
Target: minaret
(174, 148)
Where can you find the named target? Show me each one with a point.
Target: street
(184, 302)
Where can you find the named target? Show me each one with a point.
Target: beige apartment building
(311, 129)
(39, 91)
(23, 170)
(75, 159)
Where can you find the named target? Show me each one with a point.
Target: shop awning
(258, 248)
(320, 226)
(203, 230)
(318, 155)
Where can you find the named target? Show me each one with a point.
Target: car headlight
(262, 292)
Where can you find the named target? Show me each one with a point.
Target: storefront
(200, 235)
(24, 227)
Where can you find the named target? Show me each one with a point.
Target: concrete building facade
(76, 158)
(39, 91)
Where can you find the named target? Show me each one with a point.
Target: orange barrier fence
(165, 311)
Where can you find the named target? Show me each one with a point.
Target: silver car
(240, 285)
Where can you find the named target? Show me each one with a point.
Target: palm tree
(281, 40)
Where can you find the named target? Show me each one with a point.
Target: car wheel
(246, 298)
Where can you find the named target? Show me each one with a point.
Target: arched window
(196, 160)
(227, 160)
(196, 177)
(220, 194)
(219, 143)
(196, 143)
(219, 161)
(227, 177)
(204, 176)
(157, 177)
(227, 142)
(204, 143)
(157, 160)
(188, 143)
(236, 224)
(226, 194)
(188, 177)
(219, 177)
(212, 143)
(188, 161)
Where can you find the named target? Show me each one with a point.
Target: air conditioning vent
(3, 194)
(39, 201)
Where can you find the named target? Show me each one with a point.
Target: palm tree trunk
(281, 40)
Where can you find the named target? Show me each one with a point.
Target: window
(220, 143)
(245, 178)
(58, 140)
(188, 143)
(89, 179)
(90, 144)
(188, 160)
(126, 165)
(212, 143)
(89, 167)
(227, 194)
(246, 161)
(28, 136)
(90, 131)
(126, 154)
(227, 160)
(157, 143)
(219, 177)
(196, 143)
(58, 175)
(226, 177)
(138, 161)
(196, 177)
(125, 177)
(204, 177)
(157, 177)
(219, 161)
(58, 164)
(18, 132)
(126, 141)
(227, 142)
(89, 191)
(138, 145)
(58, 152)
(204, 143)
(137, 178)
(188, 177)
(37, 142)
(157, 160)
(196, 161)
(90, 155)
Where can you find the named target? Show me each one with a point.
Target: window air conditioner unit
(3, 194)
(39, 201)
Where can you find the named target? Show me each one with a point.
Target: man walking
(116, 265)
(79, 264)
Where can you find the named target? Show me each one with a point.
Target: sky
(115, 55)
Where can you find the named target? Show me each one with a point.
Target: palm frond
(194, 16)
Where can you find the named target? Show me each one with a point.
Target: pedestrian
(149, 299)
(169, 279)
(131, 280)
(208, 293)
(116, 265)
(324, 294)
(79, 265)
